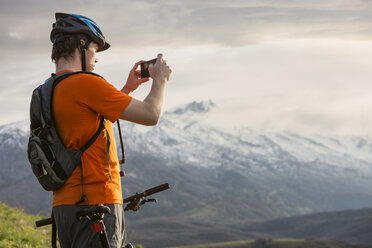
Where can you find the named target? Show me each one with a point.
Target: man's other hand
(134, 79)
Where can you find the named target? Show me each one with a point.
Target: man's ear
(82, 42)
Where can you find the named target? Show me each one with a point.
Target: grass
(17, 229)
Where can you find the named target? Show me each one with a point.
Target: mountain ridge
(281, 161)
(217, 176)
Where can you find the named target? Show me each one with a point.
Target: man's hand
(134, 79)
(160, 70)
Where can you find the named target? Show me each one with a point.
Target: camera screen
(145, 68)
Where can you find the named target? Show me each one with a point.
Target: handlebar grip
(43, 222)
(157, 189)
(148, 192)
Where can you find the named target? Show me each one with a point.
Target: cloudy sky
(297, 65)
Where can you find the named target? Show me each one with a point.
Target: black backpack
(50, 161)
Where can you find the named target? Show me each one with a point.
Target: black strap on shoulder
(57, 79)
(60, 77)
(94, 137)
(83, 197)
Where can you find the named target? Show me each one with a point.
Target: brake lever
(136, 204)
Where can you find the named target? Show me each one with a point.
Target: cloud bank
(27, 24)
(289, 64)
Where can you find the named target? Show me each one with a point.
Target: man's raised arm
(148, 111)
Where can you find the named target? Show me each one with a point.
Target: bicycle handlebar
(132, 199)
(147, 192)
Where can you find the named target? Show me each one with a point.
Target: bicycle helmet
(78, 24)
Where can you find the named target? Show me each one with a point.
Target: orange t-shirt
(79, 102)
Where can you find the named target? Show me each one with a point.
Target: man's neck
(67, 66)
(58, 69)
(73, 64)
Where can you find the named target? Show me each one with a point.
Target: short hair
(65, 45)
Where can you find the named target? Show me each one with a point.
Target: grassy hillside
(17, 229)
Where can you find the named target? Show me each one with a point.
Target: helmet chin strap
(82, 49)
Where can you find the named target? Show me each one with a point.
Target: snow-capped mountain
(257, 174)
(181, 135)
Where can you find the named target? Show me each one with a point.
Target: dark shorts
(78, 234)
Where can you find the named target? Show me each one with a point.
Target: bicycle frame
(96, 214)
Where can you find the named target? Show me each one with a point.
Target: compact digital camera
(145, 68)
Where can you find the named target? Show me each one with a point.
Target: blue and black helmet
(78, 24)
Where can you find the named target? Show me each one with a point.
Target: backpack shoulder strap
(94, 137)
(56, 80)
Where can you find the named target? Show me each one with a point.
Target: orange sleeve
(102, 97)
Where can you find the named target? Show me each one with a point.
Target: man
(79, 103)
